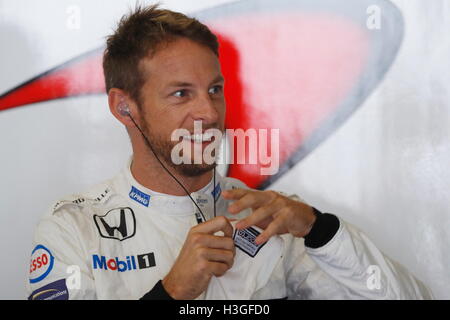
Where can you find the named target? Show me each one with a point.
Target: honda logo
(119, 224)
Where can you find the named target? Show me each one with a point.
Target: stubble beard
(163, 149)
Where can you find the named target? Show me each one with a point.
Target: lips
(300, 66)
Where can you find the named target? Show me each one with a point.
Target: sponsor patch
(53, 291)
(139, 196)
(119, 224)
(245, 240)
(201, 201)
(140, 261)
(41, 263)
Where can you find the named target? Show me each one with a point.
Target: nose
(206, 110)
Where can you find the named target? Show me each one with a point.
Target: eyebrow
(219, 78)
(177, 84)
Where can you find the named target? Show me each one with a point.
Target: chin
(194, 170)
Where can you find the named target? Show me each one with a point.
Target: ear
(116, 98)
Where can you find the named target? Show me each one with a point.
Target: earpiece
(123, 110)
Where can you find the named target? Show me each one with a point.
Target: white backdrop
(385, 170)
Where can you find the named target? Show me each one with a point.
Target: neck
(148, 172)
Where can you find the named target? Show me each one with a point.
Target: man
(161, 230)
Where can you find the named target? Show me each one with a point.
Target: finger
(263, 224)
(260, 214)
(250, 200)
(218, 255)
(217, 268)
(215, 242)
(276, 227)
(220, 223)
(235, 194)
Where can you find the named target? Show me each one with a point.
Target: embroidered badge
(245, 240)
(139, 196)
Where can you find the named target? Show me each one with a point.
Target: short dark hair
(140, 34)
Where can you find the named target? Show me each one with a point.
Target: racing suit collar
(171, 204)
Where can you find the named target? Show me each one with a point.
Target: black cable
(214, 190)
(167, 170)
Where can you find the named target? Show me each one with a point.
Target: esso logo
(41, 263)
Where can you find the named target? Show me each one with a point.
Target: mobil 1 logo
(146, 260)
(122, 264)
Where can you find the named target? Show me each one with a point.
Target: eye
(180, 93)
(215, 89)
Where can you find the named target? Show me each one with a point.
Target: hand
(202, 256)
(272, 211)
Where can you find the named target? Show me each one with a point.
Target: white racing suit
(118, 240)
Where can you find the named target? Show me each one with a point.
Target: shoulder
(71, 217)
(94, 195)
(78, 208)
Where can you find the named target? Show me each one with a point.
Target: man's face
(183, 84)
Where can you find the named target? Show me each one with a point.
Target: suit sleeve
(59, 269)
(158, 292)
(338, 261)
